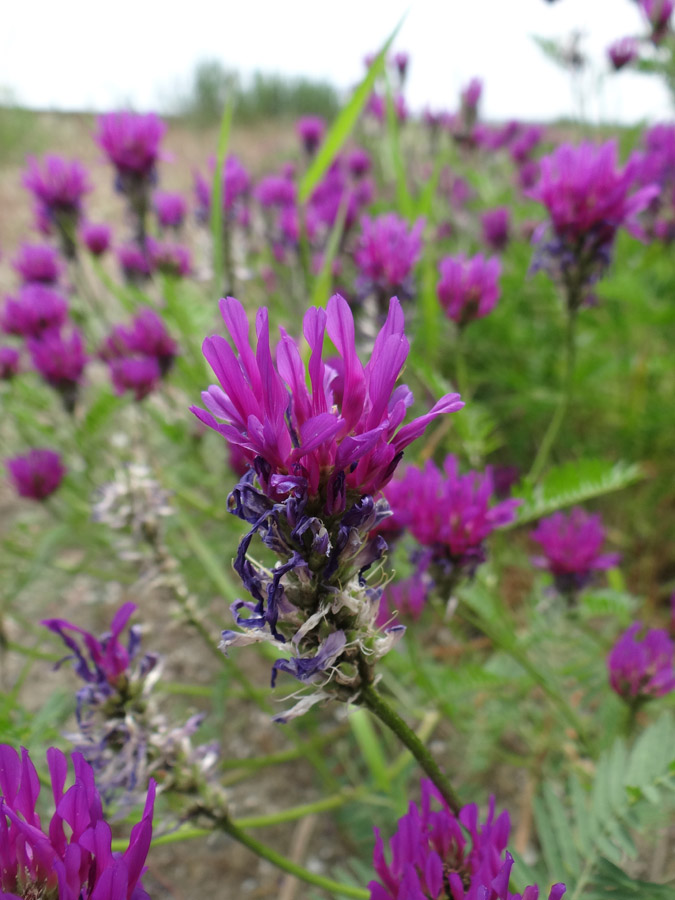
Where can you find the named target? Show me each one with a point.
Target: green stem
(461, 377)
(374, 701)
(286, 865)
(551, 433)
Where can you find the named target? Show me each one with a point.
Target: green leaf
(344, 124)
(217, 191)
(404, 201)
(371, 748)
(323, 281)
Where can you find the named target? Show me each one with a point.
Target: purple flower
(36, 309)
(140, 374)
(407, 598)
(236, 189)
(449, 513)
(38, 263)
(572, 546)
(359, 162)
(377, 107)
(36, 474)
(471, 94)
(495, 225)
(641, 667)
(310, 130)
(387, 252)
(522, 148)
(658, 13)
(401, 61)
(57, 184)
(170, 208)
(60, 360)
(345, 434)
(276, 191)
(147, 336)
(622, 52)
(468, 288)
(169, 258)
(131, 141)
(136, 262)
(9, 363)
(96, 238)
(437, 855)
(73, 863)
(588, 199)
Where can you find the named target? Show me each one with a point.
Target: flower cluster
(437, 855)
(58, 186)
(588, 199)
(387, 252)
(449, 514)
(622, 52)
(495, 224)
(10, 359)
(36, 474)
(310, 130)
(236, 190)
(72, 859)
(572, 548)
(38, 264)
(139, 355)
(318, 459)
(96, 237)
(170, 209)
(468, 288)
(641, 664)
(35, 310)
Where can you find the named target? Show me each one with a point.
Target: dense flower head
(401, 61)
(376, 107)
(387, 252)
(468, 288)
(437, 855)
(310, 130)
(406, 598)
(471, 93)
(9, 362)
(60, 358)
(36, 474)
(136, 262)
(495, 225)
(449, 513)
(96, 237)
(275, 191)
(36, 309)
(169, 257)
(572, 547)
(147, 335)
(170, 208)
(359, 162)
(333, 196)
(344, 435)
(131, 141)
(523, 146)
(74, 862)
(622, 52)
(139, 374)
(640, 664)
(658, 13)
(236, 189)
(38, 264)
(57, 184)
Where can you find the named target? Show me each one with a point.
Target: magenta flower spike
(169, 258)
(311, 130)
(436, 855)
(236, 190)
(658, 14)
(58, 186)
(9, 363)
(96, 237)
(38, 264)
(131, 141)
(359, 163)
(60, 359)
(495, 224)
(75, 862)
(35, 310)
(170, 209)
(641, 664)
(386, 254)
(135, 261)
(138, 374)
(471, 94)
(572, 548)
(37, 474)
(468, 288)
(622, 52)
(346, 434)
(276, 191)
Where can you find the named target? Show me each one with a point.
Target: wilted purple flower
(58, 186)
(9, 363)
(36, 474)
(386, 254)
(658, 13)
(169, 258)
(60, 359)
(450, 514)
(76, 862)
(135, 261)
(436, 855)
(38, 264)
(131, 141)
(310, 130)
(468, 288)
(96, 238)
(170, 208)
(622, 52)
(140, 374)
(495, 225)
(359, 162)
(588, 199)
(641, 667)
(36, 309)
(572, 546)
(326, 441)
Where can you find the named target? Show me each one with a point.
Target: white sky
(93, 54)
